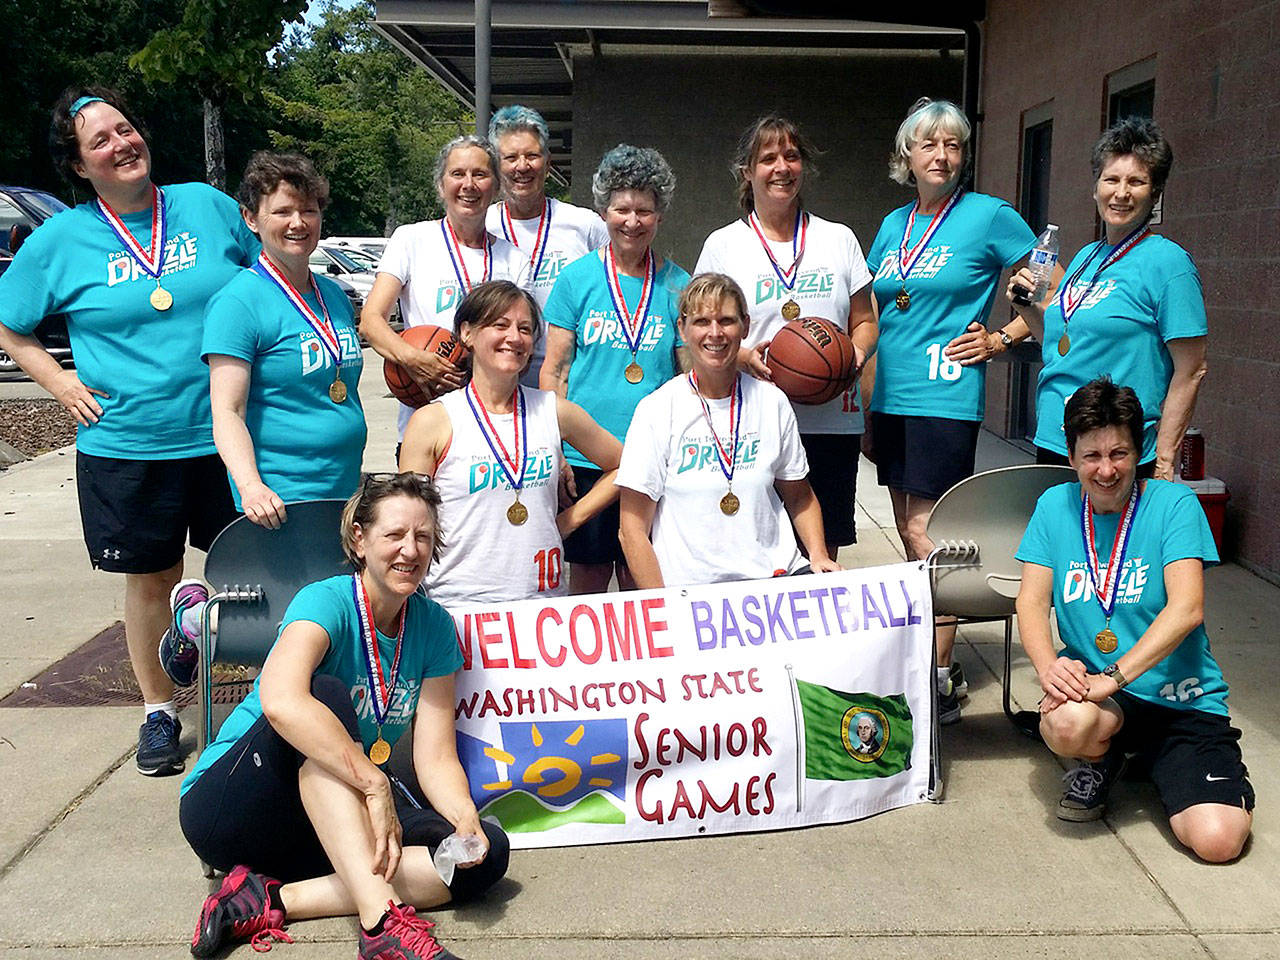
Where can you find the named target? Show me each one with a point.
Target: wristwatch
(1005, 338)
(1112, 670)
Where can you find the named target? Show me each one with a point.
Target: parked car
(22, 209)
(349, 265)
(370, 245)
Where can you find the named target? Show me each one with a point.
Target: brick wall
(1217, 96)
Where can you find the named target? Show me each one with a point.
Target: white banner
(722, 708)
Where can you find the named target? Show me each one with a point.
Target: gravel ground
(36, 426)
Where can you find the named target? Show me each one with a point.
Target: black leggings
(246, 809)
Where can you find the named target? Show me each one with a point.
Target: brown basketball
(811, 360)
(437, 340)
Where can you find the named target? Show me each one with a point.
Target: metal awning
(534, 41)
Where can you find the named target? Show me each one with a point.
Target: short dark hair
(64, 144)
(362, 507)
(266, 171)
(767, 129)
(486, 303)
(1100, 404)
(1141, 137)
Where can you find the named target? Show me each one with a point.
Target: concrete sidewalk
(92, 862)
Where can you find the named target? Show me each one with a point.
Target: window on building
(1033, 204)
(1136, 101)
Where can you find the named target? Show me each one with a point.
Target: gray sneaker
(1088, 786)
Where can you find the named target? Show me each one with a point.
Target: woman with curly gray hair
(1133, 306)
(611, 335)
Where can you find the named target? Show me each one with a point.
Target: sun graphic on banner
(570, 772)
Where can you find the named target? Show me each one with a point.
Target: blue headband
(82, 103)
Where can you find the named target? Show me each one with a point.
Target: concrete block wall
(1217, 96)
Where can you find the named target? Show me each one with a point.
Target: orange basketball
(811, 360)
(443, 343)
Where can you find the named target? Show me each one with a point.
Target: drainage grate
(98, 673)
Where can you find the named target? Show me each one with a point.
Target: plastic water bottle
(1043, 259)
(456, 849)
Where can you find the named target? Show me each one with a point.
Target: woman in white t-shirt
(494, 450)
(791, 263)
(713, 473)
(430, 266)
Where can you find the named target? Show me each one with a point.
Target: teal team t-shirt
(1148, 297)
(580, 302)
(146, 360)
(952, 284)
(1168, 525)
(306, 446)
(430, 650)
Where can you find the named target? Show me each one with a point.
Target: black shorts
(923, 456)
(1054, 459)
(1194, 756)
(246, 809)
(137, 514)
(596, 541)
(833, 474)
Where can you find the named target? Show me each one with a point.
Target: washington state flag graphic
(853, 736)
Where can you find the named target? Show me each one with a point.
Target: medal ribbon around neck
(799, 235)
(380, 687)
(1107, 591)
(454, 247)
(513, 464)
(540, 238)
(907, 258)
(726, 460)
(1068, 303)
(150, 260)
(324, 328)
(632, 323)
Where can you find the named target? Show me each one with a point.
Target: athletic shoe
(158, 752)
(240, 910)
(958, 683)
(404, 936)
(1088, 785)
(948, 706)
(179, 648)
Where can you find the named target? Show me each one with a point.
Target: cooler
(1213, 496)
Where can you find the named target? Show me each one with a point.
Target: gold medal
(337, 391)
(380, 752)
(790, 310)
(161, 299)
(634, 372)
(517, 514)
(1064, 344)
(729, 504)
(1106, 640)
(903, 299)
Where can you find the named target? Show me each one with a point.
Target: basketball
(811, 360)
(443, 343)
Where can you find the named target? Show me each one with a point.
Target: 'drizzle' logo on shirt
(404, 701)
(601, 329)
(316, 357)
(931, 261)
(813, 283)
(486, 474)
(699, 453)
(179, 255)
(1076, 585)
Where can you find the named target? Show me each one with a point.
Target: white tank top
(485, 557)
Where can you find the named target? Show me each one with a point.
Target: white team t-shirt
(832, 270)
(418, 257)
(670, 456)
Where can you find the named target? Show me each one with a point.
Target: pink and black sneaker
(404, 936)
(180, 645)
(240, 910)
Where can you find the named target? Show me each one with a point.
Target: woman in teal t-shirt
(1132, 307)
(1121, 561)
(295, 799)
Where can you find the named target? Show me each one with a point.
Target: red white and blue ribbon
(1068, 300)
(381, 687)
(726, 458)
(907, 258)
(799, 235)
(150, 260)
(540, 238)
(454, 248)
(512, 464)
(323, 326)
(632, 323)
(1106, 590)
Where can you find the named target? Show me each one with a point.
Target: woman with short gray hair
(611, 334)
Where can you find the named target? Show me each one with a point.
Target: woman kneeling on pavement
(1137, 675)
(292, 797)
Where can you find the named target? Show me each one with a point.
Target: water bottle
(453, 850)
(1043, 259)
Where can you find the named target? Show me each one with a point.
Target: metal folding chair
(253, 573)
(976, 527)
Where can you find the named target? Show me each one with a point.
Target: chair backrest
(275, 564)
(991, 509)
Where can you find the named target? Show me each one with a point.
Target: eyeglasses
(369, 479)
